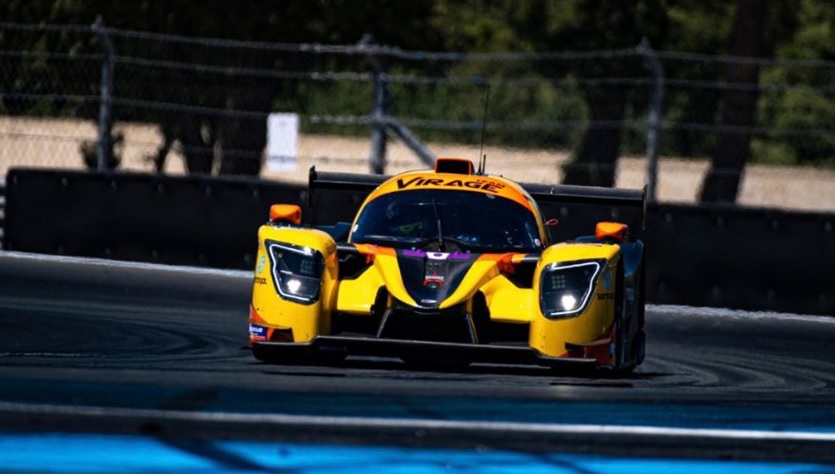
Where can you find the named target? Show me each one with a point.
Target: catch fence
(80, 95)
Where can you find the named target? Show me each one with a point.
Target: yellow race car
(449, 266)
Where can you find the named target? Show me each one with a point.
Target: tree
(232, 144)
(700, 27)
(619, 25)
(733, 149)
(804, 100)
(212, 141)
(581, 25)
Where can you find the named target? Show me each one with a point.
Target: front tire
(621, 365)
(630, 342)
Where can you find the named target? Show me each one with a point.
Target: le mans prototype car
(450, 266)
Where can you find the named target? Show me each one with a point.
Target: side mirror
(612, 231)
(291, 213)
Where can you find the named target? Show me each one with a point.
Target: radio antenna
(482, 157)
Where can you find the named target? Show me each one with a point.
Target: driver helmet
(405, 219)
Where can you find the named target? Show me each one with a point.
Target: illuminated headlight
(565, 289)
(568, 302)
(297, 271)
(294, 285)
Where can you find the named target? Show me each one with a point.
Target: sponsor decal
(260, 281)
(436, 267)
(257, 333)
(435, 279)
(262, 262)
(479, 183)
(605, 296)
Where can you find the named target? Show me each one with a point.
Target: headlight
(297, 271)
(565, 289)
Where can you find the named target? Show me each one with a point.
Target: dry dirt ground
(55, 144)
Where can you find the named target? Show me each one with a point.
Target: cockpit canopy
(447, 220)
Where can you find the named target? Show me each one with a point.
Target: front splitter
(410, 349)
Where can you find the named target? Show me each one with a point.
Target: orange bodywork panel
(611, 230)
(286, 213)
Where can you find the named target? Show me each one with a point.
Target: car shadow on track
(345, 367)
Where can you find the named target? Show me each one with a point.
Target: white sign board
(282, 142)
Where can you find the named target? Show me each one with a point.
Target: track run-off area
(111, 366)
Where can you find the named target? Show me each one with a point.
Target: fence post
(656, 103)
(411, 141)
(379, 115)
(105, 141)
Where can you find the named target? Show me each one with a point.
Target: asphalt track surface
(118, 349)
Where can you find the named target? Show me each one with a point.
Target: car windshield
(470, 221)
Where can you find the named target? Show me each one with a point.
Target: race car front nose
(452, 324)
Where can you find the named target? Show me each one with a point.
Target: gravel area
(55, 143)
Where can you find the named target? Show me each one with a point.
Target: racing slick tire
(630, 339)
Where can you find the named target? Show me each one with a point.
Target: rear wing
(579, 208)
(336, 197)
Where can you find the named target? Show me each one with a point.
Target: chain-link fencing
(177, 104)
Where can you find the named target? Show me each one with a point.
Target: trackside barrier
(754, 259)
(203, 221)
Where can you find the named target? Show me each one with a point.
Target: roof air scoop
(454, 165)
